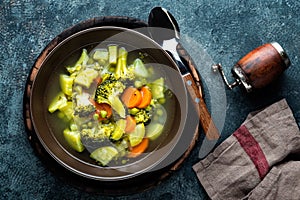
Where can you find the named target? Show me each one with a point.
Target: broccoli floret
(106, 129)
(93, 138)
(122, 71)
(84, 110)
(109, 87)
(129, 75)
(142, 116)
(103, 131)
(87, 132)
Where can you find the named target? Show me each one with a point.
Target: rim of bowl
(56, 150)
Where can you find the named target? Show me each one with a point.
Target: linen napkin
(253, 158)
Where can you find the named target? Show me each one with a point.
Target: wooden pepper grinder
(258, 68)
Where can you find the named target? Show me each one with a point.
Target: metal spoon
(164, 29)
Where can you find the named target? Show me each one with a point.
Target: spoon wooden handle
(206, 121)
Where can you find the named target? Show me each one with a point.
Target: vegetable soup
(111, 106)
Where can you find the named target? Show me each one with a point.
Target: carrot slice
(139, 149)
(130, 124)
(146, 97)
(100, 107)
(131, 97)
(97, 80)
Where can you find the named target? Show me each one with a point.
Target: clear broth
(57, 125)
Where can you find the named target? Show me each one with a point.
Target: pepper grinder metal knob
(258, 68)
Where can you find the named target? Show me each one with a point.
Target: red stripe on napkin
(252, 148)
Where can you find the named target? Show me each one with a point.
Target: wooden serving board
(128, 186)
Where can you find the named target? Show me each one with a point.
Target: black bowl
(49, 129)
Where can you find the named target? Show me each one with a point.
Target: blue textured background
(226, 29)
